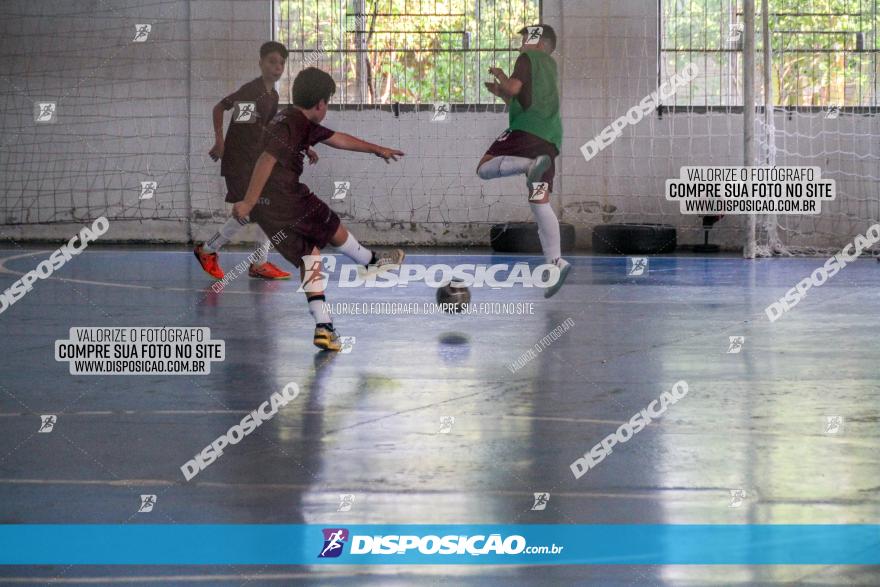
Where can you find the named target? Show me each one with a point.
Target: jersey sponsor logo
(245, 112)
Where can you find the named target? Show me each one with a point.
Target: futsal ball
(454, 296)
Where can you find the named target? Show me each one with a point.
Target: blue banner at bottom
(375, 544)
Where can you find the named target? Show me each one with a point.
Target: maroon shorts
(296, 221)
(236, 187)
(519, 143)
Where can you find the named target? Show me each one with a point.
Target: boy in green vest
(532, 140)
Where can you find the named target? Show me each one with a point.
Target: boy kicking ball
(531, 142)
(255, 103)
(277, 201)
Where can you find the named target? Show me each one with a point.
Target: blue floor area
(373, 422)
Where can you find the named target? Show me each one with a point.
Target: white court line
(164, 579)
(308, 487)
(6, 270)
(319, 572)
(732, 257)
(136, 412)
(408, 255)
(222, 412)
(226, 290)
(242, 412)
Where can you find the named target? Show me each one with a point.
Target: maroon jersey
(286, 206)
(254, 109)
(287, 138)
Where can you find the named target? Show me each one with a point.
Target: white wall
(122, 117)
(130, 112)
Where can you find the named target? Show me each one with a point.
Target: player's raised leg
(495, 166)
(373, 261)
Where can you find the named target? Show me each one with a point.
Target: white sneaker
(385, 260)
(564, 269)
(535, 172)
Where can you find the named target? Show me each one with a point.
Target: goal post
(749, 111)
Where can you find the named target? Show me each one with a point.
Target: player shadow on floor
(282, 457)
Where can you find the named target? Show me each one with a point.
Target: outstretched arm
(346, 142)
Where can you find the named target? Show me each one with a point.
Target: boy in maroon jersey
(255, 104)
(277, 201)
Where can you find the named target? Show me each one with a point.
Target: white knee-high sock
(548, 231)
(352, 249)
(261, 255)
(224, 235)
(504, 166)
(319, 310)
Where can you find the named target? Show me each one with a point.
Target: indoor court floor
(374, 423)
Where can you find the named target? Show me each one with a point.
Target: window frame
(739, 108)
(496, 106)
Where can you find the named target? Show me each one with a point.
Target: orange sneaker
(209, 262)
(267, 271)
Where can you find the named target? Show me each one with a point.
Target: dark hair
(548, 35)
(310, 86)
(273, 47)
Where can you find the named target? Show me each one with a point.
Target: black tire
(634, 239)
(522, 237)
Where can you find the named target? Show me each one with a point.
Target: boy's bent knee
(482, 174)
(339, 237)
